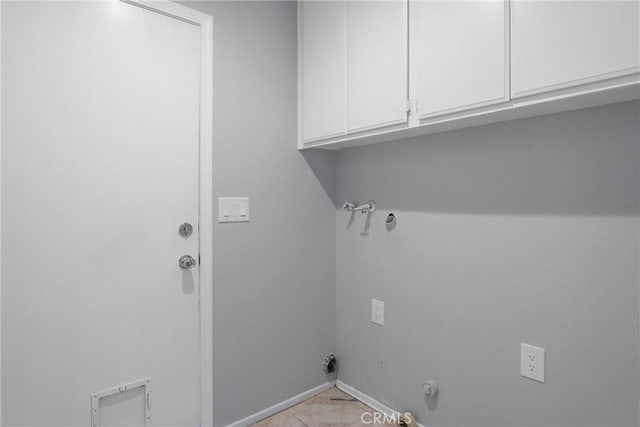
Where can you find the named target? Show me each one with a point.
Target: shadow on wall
(322, 163)
(584, 162)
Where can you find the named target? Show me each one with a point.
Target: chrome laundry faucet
(370, 206)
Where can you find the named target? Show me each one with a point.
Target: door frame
(205, 193)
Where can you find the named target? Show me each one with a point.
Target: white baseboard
(278, 407)
(368, 400)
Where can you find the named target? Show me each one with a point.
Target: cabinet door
(322, 69)
(459, 54)
(560, 44)
(377, 64)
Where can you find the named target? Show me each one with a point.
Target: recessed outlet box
(377, 312)
(532, 361)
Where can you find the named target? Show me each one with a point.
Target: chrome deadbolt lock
(185, 230)
(186, 262)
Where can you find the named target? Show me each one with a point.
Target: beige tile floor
(331, 408)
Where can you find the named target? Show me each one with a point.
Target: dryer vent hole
(330, 365)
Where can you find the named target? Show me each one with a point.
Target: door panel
(323, 69)
(461, 50)
(99, 168)
(377, 63)
(560, 44)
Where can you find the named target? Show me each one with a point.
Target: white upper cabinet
(377, 64)
(322, 71)
(378, 70)
(459, 55)
(564, 44)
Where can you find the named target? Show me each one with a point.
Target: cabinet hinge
(412, 106)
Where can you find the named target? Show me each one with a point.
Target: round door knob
(186, 262)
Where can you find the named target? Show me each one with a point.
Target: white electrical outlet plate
(233, 209)
(377, 312)
(532, 361)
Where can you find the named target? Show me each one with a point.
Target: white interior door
(100, 108)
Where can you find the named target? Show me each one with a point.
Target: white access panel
(132, 398)
(377, 64)
(460, 54)
(322, 74)
(559, 44)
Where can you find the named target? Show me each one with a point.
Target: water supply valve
(430, 387)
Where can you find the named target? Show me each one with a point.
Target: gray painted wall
(274, 278)
(525, 231)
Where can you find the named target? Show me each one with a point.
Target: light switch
(233, 209)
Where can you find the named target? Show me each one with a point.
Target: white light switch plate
(377, 312)
(233, 209)
(532, 361)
